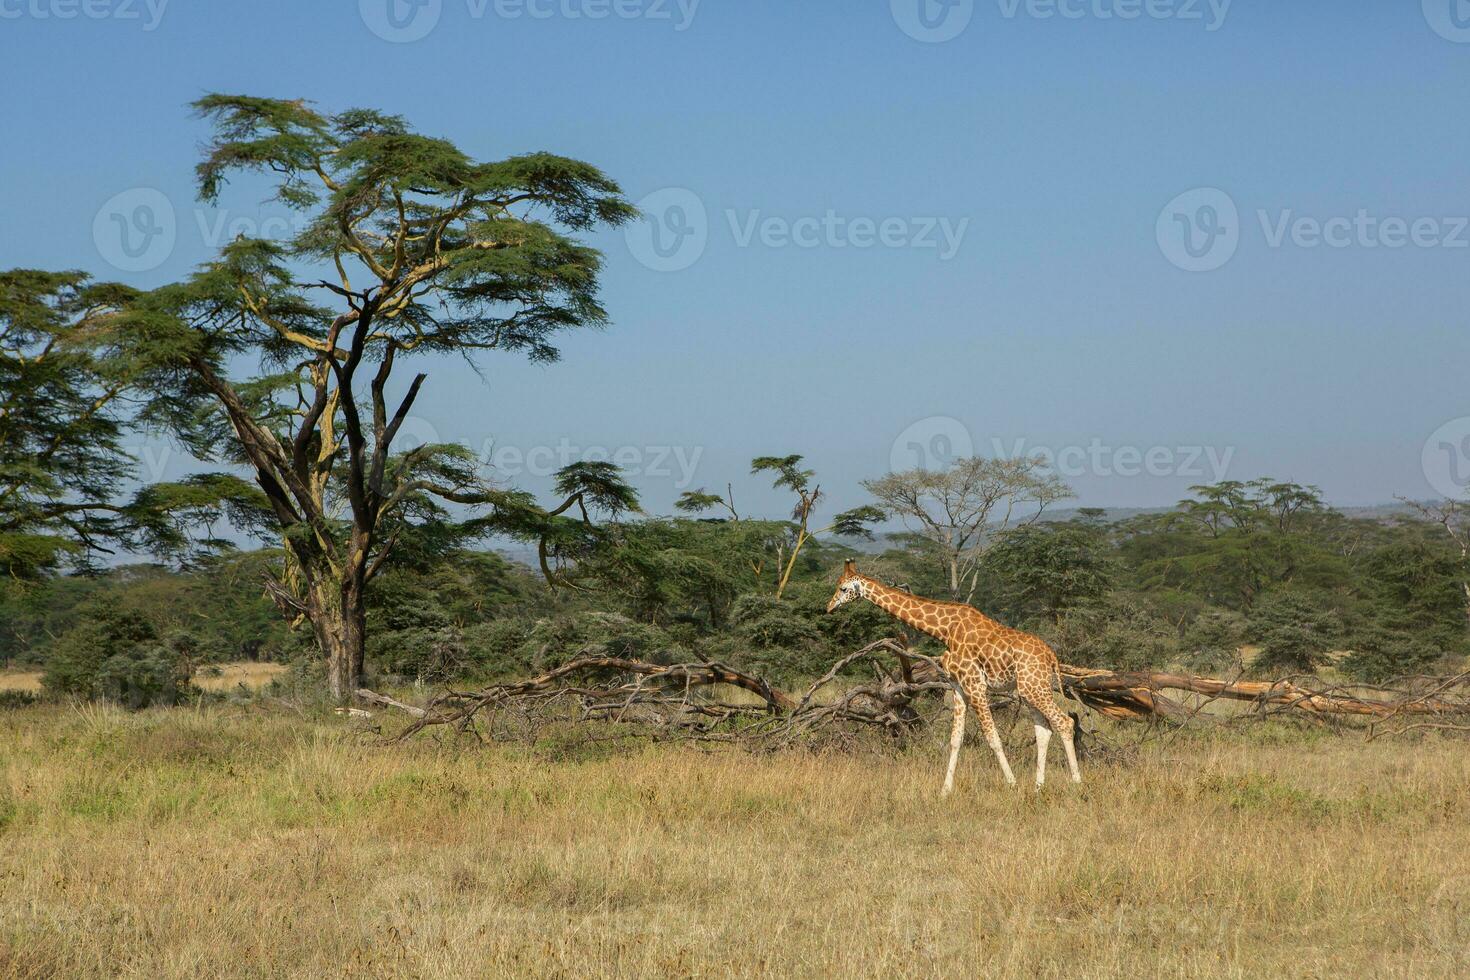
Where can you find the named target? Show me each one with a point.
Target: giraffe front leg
(980, 695)
(956, 736)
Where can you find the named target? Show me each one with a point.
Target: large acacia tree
(284, 356)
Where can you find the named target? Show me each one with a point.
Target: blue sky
(907, 247)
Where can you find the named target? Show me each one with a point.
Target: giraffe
(980, 654)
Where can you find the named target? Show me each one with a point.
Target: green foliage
(1295, 630)
(279, 356)
(1379, 654)
(765, 623)
(1119, 633)
(1234, 541)
(1039, 571)
(1212, 642)
(116, 655)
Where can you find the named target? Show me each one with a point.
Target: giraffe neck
(904, 606)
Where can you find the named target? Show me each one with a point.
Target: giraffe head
(849, 586)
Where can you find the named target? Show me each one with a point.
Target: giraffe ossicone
(980, 654)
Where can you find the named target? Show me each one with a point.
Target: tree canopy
(281, 356)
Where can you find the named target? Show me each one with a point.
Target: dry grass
(28, 681)
(228, 677)
(238, 841)
(223, 677)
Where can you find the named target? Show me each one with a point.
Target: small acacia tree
(960, 511)
(799, 533)
(281, 356)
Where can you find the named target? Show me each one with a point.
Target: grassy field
(249, 841)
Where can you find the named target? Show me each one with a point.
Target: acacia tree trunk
(339, 620)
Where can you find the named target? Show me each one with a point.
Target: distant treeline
(1301, 586)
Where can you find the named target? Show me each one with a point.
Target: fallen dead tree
(1135, 696)
(697, 700)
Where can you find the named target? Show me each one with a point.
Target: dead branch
(683, 701)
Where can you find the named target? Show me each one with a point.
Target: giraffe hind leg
(1043, 739)
(1058, 721)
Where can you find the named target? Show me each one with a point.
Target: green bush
(1119, 634)
(116, 655)
(1295, 631)
(496, 648)
(1212, 642)
(765, 622)
(1379, 654)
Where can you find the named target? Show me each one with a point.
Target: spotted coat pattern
(981, 655)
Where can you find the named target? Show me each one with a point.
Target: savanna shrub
(1212, 642)
(116, 655)
(1295, 631)
(1379, 654)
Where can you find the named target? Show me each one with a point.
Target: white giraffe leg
(1071, 753)
(1000, 754)
(956, 736)
(1043, 739)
